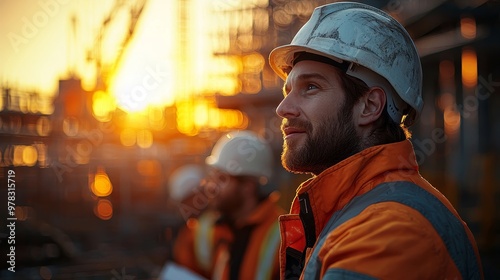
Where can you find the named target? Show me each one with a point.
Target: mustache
(296, 123)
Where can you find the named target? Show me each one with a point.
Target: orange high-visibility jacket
(422, 238)
(212, 249)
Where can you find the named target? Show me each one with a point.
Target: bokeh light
(103, 105)
(101, 185)
(103, 209)
(469, 67)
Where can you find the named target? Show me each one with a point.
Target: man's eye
(311, 86)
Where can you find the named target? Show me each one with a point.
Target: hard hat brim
(281, 58)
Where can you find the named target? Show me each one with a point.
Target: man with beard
(240, 239)
(352, 87)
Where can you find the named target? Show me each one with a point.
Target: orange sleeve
(385, 241)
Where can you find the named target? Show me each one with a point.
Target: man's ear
(372, 105)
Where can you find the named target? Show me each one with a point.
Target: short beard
(334, 141)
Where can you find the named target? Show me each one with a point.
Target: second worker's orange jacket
(211, 248)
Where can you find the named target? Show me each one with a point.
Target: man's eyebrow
(307, 76)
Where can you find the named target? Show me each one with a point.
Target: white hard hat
(242, 153)
(368, 44)
(184, 180)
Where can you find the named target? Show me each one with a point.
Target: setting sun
(167, 54)
(174, 64)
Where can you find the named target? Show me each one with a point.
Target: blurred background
(102, 100)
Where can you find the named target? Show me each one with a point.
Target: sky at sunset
(41, 45)
(38, 43)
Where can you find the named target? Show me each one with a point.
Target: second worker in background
(240, 238)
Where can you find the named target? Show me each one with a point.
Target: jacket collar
(319, 197)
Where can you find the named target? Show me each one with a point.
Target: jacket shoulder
(392, 230)
(386, 240)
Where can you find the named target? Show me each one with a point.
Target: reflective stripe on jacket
(385, 240)
(194, 245)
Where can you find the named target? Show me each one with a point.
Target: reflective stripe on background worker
(240, 239)
(353, 83)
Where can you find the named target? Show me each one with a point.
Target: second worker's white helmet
(242, 153)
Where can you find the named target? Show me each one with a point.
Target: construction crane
(94, 53)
